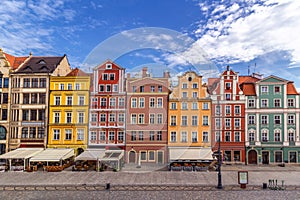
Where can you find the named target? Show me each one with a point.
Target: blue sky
(177, 35)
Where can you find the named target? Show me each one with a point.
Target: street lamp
(219, 165)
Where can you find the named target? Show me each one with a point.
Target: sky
(259, 36)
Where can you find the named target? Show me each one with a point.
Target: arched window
(2, 133)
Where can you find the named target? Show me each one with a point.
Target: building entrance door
(265, 157)
(252, 157)
(160, 157)
(132, 157)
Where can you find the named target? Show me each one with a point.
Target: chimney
(166, 74)
(228, 68)
(144, 72)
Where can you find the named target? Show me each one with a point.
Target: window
(108, 66)
(236, 123)
(80, 134)
(108, 88)
(42, 98)
(93, 136)
(159, 88)
(69, 117)
(227, 96)
(25, 98)
(111, 136)
(264, 103)
(159, 118)
(69, 86)
(151, 119)
(143, 155)
(227, 86)
(291, 136)
(104, 76)
(133, 103)
(26, 82)
(24, 132)
(251, 103)
(237, 136)
(102, 117)
(101, 88)
(217, 122)
(112, 102)
(61, 86)
(141, 102)
(277, 136)
(134, 88)
(264, 136)
(195, 94)
(111, 77)
(291, 119)
(142, 89)
(25, 116)
(35, 82)
(264, 119)
(94, 117)
(121, 102)
(115, 88)
(194, 105)
(184, 85)
(237, 155)
(34, 98)
(184, 94)
(81, 100)
(227, 123)
(277, 119)
(152, 88)
(251, 119)
(195, 86)
(141, 118)
(194, 137)
(264, 89)
(194, 120)
(152, 103)
(41, 132)
(205, 106)
(69, 100)
(133, 118)
(291, 103)
(102, 136)
(141, 135)
(217, 135)
(184, 136)
(77, 86)
(103, 102)
(68, 134)
(56, 117)
(227, 109)
(173, 136)
(112, 117)
(292, 156)
(278, 156)
(173, 121)
(121, 117)
(218, 110)
(159, 135)
(120, 136)
(133, 136)
(81, 117)
(237, 110)
(4, 114)
(184, 106)
(42, 82)
(56, 133)
(277, 103)
(227, 136)
(173, 106)
(151, 135)
(251, 136)
(205, 136)
(183, 120)
(205, 120)
(159, 102)
(33, 115)
(41, 115)
(151, 156)
(276, 89)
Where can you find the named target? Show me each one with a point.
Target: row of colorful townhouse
(44, 103)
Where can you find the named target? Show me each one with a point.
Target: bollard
(107, 186)
(264, 185)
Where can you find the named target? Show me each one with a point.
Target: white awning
(21, 153)
(112, 155)
(53, 155)
(91, 154)
(190, 154)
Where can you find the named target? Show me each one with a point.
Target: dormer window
(227, 86)
(108, 66)
(42, 62)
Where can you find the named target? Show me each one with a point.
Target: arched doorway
(252, 157)
(132, 157)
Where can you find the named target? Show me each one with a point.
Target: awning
(191, 153)
(111, 155)
(21, 153)
(91, 154)
(53, 155)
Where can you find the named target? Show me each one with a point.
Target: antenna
(248, 70)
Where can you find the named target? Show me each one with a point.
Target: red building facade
(228, 116)
(107, 107)
(146, 123)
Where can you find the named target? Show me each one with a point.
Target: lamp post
(219, 186)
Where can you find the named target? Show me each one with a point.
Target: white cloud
(242, 33)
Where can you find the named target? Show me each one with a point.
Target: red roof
(248, 89)
(247, 79)
(15, 62)
(77, 72)
(291, 88)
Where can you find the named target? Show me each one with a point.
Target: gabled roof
(14, 62)
(248, 79)
(273, 78)
(43, 64)
(212, 84)
(291, 90)
(103, 65)
(248, 89)
(77, 72)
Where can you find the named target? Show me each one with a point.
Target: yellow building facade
(189, 124)
(69, 111)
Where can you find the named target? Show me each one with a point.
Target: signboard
(243, 177)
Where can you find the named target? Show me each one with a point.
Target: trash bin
(265, 186)
(107, 186)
